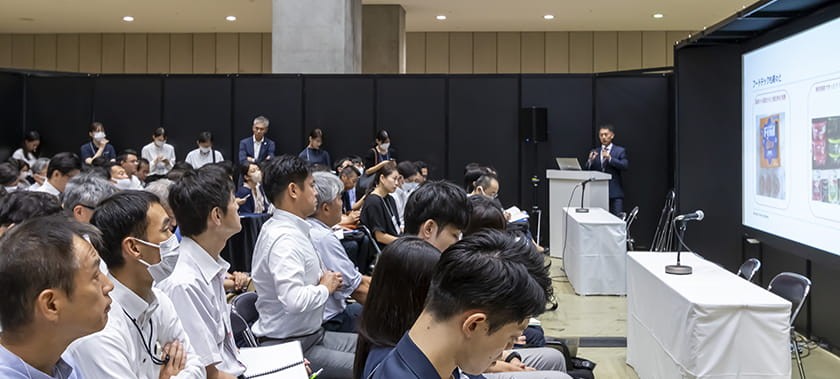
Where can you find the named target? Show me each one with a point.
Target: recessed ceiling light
(441, 17)
(230, 18)
(658, 15)
(128, 19)
(549, 17)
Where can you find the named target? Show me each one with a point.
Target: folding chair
(794, 288)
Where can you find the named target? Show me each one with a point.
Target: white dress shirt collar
(299, 223)
(134, 305)
(208, 267)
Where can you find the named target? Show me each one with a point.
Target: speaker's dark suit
(246, 149)
(614, 166)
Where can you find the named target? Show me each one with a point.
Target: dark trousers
(346, 321)
(616, 205)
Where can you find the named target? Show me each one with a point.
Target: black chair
(241, 331)
(794, 288)
(245, 305)
(749, 268)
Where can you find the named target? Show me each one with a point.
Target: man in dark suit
(257, 148)
(611, 159)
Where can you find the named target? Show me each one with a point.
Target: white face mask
(257, 177)
(159, 143)
(99, 136)
(168, 258)
(384, 146)
(124, 184)
(204, 150)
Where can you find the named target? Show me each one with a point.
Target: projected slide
(791, 138)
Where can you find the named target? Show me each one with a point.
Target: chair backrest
(245, 304)
(749, 268)
(792, 287)
(241, 331)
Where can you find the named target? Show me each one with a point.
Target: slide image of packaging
(824, 116)
(770, 178)
(768, 130)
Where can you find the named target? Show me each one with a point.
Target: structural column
(316, 36)
(383, 39)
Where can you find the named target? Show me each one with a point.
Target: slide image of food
(771, 175)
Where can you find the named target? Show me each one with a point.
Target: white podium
(561, 184)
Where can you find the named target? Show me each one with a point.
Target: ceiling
(174, 16)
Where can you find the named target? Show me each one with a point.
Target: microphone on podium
(583, 209)
(679, 269)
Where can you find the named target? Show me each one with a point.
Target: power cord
(566, 229)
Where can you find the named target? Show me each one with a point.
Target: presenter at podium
(611, 159)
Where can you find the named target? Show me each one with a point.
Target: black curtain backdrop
(130, 116)
(343, 108)
(192, 104)
(276, 97)
(61, 110)
(11, 113)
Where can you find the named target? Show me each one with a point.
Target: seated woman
(99, 146)
(379, 212)
(28, 150)
(251, 190)
(395, 299)
(313, 153)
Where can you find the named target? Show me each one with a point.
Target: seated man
(464, 327)
(135, 228)
(205, 207)
(437, 212)
(51, 293)
(82, 193)
(292, 285)
(338, 316)
(62, 168)
(20, 206)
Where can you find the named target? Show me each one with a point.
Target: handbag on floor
(576, 367)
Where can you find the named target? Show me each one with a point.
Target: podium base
(678, 270)
(582, 210)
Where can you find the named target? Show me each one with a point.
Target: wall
(432, 52)
(538, 52)
(183, 53)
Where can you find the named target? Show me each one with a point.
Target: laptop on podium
(570, 164)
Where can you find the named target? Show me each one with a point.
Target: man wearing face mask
(204, 154)
(144, 337)
(9, 177)
(119, 177)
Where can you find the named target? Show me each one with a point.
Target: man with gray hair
(257, 148)
(338, 316)
(83, 193)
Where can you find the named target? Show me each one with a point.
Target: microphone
(585, 182)
(694, 216)
(583, 209)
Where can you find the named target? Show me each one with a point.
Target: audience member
(98, 146)
(423, 168)
(204, 206)
(340, 164)
(24, 173)
(9, 177)
(39, 173)
(409, 177)
(20, 206)
(464, 327)
(142, 170)
(338, 315)
(293, 287)
(258, 148)
(252, 190)
(204, 153)
(51, 293)
(83, 193)
(161, 155)
(379, 212)
(178, 171)
(28, 150)
(437, 212)
(398, 289)
(135, 232)
(313, 153)
(129, 162)
(118, 176)
(62, 168)
(380, 153)
(487, 185)
(349, 175)
(484, 213)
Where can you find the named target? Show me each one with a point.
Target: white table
(595, 254)
(710, 324)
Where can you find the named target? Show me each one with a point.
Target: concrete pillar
(383, 39)
(316, 36)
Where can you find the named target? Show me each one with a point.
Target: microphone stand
(582, 209)
(679, 269)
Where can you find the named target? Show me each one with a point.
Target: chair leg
(798, 358)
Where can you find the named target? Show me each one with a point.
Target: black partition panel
(569, 103)
(11, 113)
(192, 104)
(484, 128)
(708, 176)
(638, 108)
(60, 109)
(413, 110)
(343, 108)
(279, 99)
(130, 109)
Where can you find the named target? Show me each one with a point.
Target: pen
(315, 375)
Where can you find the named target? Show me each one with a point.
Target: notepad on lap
(283, 361)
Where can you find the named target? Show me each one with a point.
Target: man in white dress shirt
(144, 337)
(62, 168)
(292, 283)
(204, 154)
(206, 210)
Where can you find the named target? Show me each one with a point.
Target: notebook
(283, 361)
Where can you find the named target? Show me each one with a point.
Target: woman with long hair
(379, 212)
(28, 151)
(313, 153)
